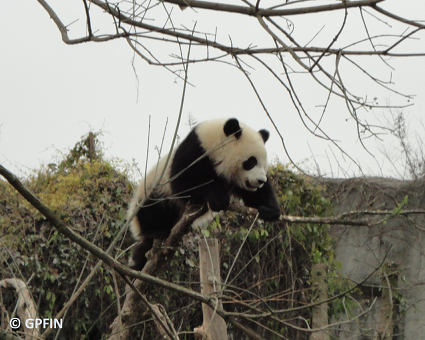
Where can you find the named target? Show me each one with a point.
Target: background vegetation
(91, 195)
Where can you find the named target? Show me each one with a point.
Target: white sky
(51, 94)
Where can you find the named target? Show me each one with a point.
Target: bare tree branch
(255, 11)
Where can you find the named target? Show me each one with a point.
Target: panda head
(238, 152)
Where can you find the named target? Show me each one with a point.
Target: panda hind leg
(156, 220)
(138, 260)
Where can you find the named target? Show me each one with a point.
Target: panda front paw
(269, 214)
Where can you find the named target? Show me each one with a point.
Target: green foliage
(298, 196)
(90, 196)
(301, 197)
(274, 263)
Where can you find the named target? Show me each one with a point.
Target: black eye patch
(250, 163)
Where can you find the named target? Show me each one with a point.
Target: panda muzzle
(259, 183)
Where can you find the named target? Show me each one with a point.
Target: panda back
(192, 168)
(145, 186)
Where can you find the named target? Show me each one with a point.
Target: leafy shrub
(91, 196)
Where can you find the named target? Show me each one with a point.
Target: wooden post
(213, 326)
(320, 312)
(92, 150)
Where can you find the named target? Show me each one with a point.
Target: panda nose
(260, 181)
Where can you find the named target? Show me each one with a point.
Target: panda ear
(232, 127)
(265, 135)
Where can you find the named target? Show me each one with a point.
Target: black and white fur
(235, 163)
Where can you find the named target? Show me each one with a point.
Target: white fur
(204, 220)
(230, 153)
(151, 181)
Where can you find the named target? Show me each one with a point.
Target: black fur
(197, 181)
(139, 253)
(263, 199)
(158, 217)
(265, 135)
(232, 127)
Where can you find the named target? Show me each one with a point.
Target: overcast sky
(51, 93)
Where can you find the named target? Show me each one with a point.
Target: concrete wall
(361, 250)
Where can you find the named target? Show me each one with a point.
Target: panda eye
(250, 163)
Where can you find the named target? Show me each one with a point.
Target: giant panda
(218, 158)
